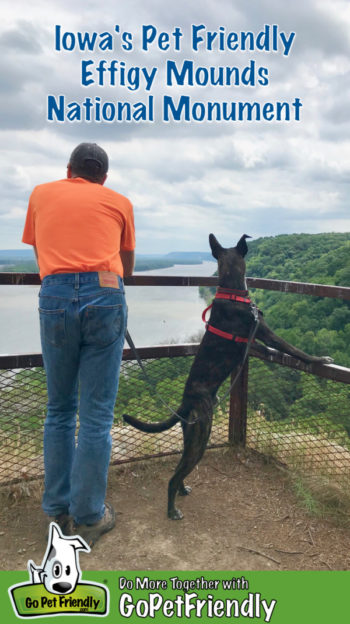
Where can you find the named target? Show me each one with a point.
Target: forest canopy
(318, 325)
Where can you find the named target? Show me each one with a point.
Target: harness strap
(232, 291)
(219, 332)
(230, 295)
(204, 313)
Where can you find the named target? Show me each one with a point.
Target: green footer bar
(208, 597)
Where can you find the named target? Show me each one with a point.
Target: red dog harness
(231, 295)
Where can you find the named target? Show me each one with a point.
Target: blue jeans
(82, 327)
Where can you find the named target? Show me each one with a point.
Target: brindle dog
(216, 358)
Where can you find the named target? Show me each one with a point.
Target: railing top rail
(301, 288)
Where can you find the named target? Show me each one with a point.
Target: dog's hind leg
(184, 490)
(176, 485)
(196, 436)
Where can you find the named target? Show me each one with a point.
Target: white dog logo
(60, 571)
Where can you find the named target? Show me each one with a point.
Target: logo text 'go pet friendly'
(54, 588)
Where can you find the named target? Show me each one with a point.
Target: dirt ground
(242, 514)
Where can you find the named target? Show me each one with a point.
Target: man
(83, 236)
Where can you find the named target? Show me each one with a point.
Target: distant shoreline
(22, 261)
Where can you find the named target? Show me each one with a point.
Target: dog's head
(60, 571)
(231, 264)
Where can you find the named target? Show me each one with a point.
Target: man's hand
(128, 262)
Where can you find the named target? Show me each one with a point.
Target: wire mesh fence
(300, 419)
(22, 413)
(23, 406)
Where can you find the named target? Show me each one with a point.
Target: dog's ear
(242, 246)
(215, 246)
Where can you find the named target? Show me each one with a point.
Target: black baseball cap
(89, 160)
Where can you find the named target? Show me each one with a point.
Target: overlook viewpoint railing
(313, 442)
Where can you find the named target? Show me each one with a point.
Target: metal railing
(257, 413)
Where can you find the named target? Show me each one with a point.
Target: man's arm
(128, 262)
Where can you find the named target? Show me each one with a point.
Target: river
(157, 314)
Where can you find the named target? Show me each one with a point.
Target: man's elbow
(128, 272)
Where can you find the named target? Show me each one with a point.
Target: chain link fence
(22, 414)
(23, 407)
(300, 419)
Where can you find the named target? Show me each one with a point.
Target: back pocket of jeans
(53, 326)
(104, 324)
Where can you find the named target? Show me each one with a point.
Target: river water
(157, 314)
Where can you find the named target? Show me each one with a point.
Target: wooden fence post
(238, 408)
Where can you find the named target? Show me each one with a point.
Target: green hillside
(318, 325)
(301, 257)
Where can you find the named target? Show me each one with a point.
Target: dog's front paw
(175, 514)
(326, 360)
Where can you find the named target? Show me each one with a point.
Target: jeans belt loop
(76, 285)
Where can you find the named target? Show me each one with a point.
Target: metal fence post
(238, 408)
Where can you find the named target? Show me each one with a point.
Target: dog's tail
(148, 427)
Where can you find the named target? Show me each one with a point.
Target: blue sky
(185, 180)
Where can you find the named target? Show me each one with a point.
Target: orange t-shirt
(79, 226)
